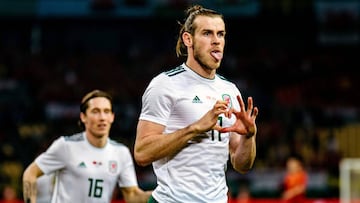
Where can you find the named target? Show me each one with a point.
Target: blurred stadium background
(297, 58)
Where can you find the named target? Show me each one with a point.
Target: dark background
(298, 59)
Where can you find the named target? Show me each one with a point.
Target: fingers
(251, 110)
(241, 102)
(250, 104)
(255, 112)
(245, 118)
(217, 127)
(220, 107)
(228, 113)
(222, 104)
(225, 130)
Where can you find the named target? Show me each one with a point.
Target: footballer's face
(98, 117)
(209, 41)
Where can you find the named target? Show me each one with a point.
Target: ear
(112, 118)
(187, 39)
(82, 117)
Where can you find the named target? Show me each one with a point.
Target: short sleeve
(128, 176)
(157, 100)
(53, 158)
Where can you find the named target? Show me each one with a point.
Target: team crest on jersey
(113, 166)
(227, 98)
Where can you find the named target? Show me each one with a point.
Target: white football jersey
(175, 99)
(45, 186)
(84, 173)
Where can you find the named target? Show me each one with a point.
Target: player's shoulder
(175, 71)
(225, 80)
(116, 143)
(118, 148)
(171, 73)
(78, 137)
(166, 78)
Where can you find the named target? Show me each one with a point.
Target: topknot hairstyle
(188, 25)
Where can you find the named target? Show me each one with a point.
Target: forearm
(29, 187)
(135, 195)
(244, 154)
(140, 197)
(29, 191)
(152, 147)
(31, 173)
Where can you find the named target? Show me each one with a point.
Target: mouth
(102, 126)
(217, 55)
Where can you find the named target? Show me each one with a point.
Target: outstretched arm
(242, 143)
(31, 173)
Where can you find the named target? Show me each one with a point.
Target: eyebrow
(209, 30)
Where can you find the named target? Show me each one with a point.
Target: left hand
(245, 119)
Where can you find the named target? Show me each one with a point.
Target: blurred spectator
(295, 181)
(243, 195)
(9, 195)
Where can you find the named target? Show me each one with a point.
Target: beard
(203, 61)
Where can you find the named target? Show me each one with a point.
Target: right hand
(210, 119)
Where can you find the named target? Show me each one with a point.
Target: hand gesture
(245, 119)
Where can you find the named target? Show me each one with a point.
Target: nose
(102, 115)
(215, 40)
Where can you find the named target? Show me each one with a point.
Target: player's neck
(96, 141)
(199, 69)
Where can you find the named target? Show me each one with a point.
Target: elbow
(31, 173)
(243, 167)
(243, 170)
(141, 159)
(140, 156)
